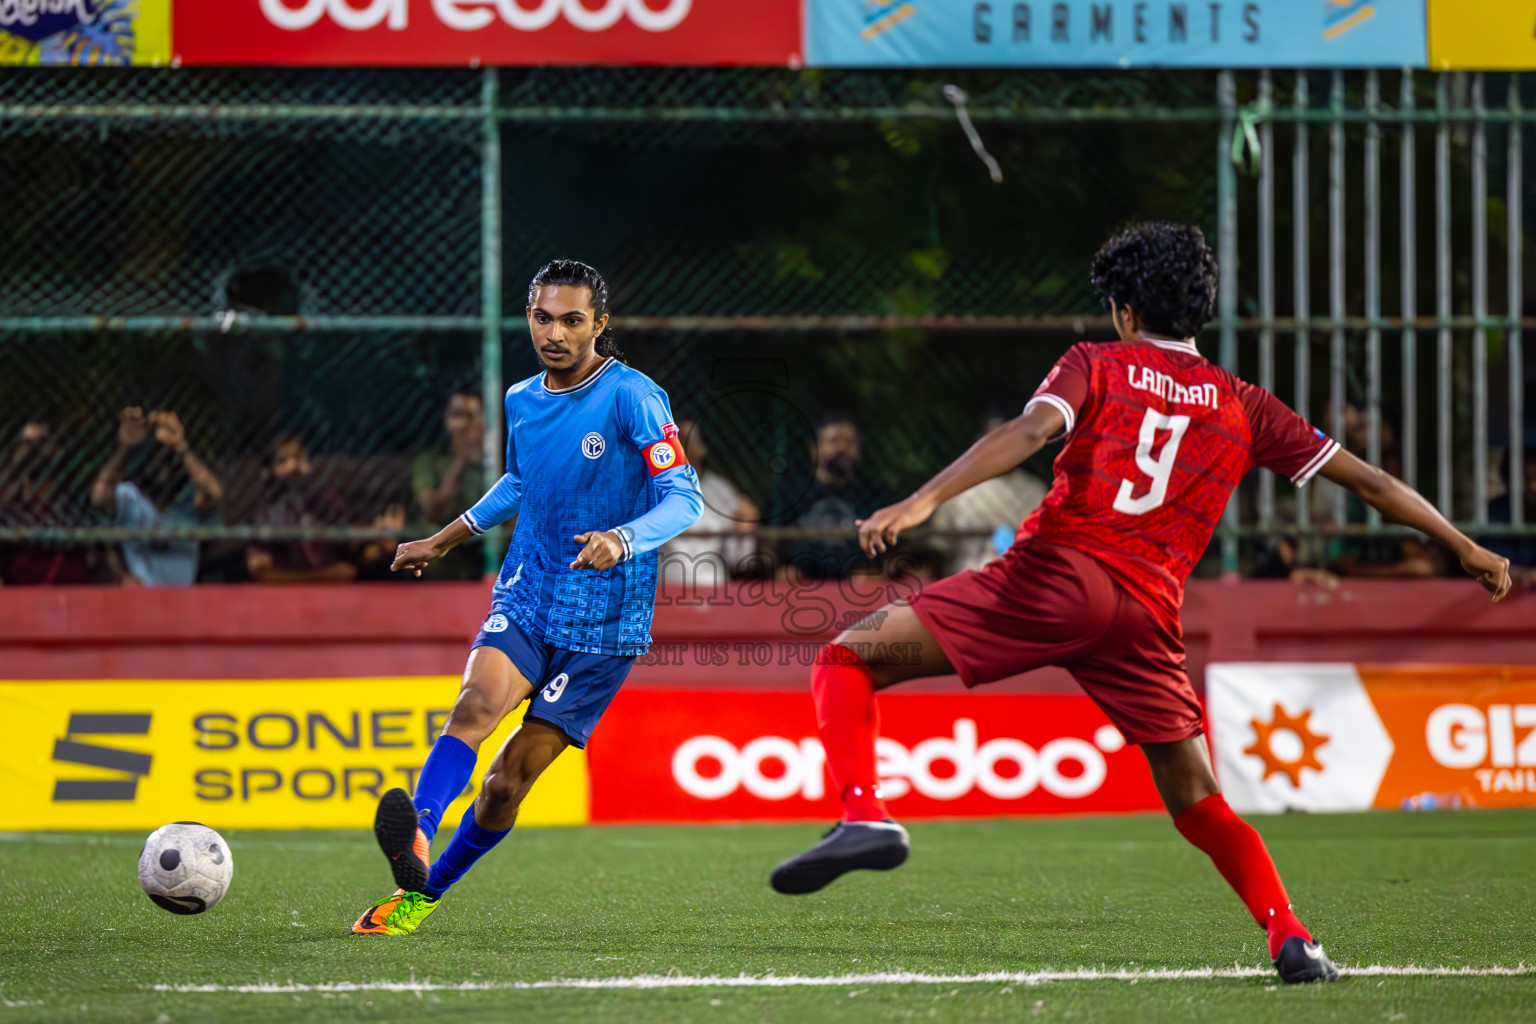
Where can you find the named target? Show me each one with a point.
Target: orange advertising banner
(1350, 737)
(1467, 733)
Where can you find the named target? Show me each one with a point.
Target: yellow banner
(85, 32)
(315, 753)
(1482, 35)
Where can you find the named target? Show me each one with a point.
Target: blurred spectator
(1002, 502)
(1366, 556)
(726, 511)
(292, 496)
(451, 478)
(1520, 550)
(159, 496)
(1280, 558)
(30, 496)
(840, 493)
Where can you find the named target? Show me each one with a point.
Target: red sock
(846, 717)
(1239, 854)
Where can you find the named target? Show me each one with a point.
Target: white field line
(653, 981)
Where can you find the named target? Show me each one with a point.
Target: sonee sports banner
(238, 753)
(475, 32)
(1353, 737)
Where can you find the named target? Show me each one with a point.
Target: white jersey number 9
(556, 688)
(1159, 469)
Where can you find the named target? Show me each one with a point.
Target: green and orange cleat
(400, 914)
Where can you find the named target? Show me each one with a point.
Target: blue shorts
(570, 690)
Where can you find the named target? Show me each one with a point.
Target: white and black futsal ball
(185, 867)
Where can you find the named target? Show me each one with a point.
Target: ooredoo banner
(476, 32)
(1352, 737)
(1116, 33)
(238, 753)
(689, 755)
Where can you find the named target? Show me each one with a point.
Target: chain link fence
(324, 257)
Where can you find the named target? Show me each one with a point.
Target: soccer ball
(185, 867)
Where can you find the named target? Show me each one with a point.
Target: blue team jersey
(601, 455)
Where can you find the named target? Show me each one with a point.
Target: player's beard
(574, 350)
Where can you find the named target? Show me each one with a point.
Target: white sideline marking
(649, 981)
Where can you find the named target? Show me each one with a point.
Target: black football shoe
(1301, 962)
(397, 828)
(850, 846)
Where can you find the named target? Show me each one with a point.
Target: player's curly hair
(1162, 270)
(576, 274)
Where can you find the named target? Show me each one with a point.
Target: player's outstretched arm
(413, 555)
(499, 504)
(1399, 503)
(993, 455)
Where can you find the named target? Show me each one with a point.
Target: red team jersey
(1157, 439)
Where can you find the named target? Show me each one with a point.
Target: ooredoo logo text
(473, 15)
(777, 768)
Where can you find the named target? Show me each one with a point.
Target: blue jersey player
(597, 482)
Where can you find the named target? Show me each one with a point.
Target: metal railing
(1356, 325)
(1257, 120)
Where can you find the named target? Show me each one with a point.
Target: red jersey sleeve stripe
(1318, 461)
(1067, 412)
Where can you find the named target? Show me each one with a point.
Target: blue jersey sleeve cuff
(626, 535)
(680, 506)
(500, 503)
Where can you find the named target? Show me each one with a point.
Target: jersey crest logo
(496, 623)
(592, 445)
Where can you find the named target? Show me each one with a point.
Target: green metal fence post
(1226, 256)
(490, 296)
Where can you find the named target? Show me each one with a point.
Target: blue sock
(468, 845)
(449, 765)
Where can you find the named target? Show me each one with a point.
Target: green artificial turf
(78, 941)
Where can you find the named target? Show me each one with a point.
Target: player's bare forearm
(1395, 500)
(995, 454)
(1399, 503)
(999, 452)
(413, 555)
(451, 536)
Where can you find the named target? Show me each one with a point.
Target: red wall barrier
(743, 637)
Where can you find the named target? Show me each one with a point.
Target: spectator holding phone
(171, 487)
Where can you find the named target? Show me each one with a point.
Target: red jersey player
(1156, 440)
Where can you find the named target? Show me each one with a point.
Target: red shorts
(1049, 604)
